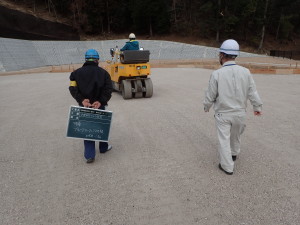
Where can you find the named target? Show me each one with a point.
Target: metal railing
(286, 54)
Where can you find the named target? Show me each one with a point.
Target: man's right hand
(86, 103)
(256, 113)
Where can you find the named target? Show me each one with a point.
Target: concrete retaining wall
(21, 54)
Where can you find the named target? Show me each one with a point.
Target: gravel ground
(163, 165)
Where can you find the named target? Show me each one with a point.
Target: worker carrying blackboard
(91, 87)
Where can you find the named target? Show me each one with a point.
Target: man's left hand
(96, 105)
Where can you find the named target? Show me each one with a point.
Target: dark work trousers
(89, 146)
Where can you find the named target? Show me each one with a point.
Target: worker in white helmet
(132, 44)
(229, 89)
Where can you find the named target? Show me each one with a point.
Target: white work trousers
(229, 129)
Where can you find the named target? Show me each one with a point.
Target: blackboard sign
(89, 124)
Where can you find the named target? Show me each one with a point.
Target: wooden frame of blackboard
(78, 121)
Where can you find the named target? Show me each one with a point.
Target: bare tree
(108, 17)
(218, 21)
(174, 10)
(263, 27)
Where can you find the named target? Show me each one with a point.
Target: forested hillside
(248, 21)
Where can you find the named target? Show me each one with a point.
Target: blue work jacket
(131, 45)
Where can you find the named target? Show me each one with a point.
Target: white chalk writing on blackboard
(77, 123)
(85, 130)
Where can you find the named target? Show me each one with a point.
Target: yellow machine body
(129, 73)
(119, 71)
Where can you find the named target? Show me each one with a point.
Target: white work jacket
(229, 89)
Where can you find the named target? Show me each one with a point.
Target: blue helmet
(91, 54)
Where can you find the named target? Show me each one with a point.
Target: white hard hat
(131, 35)
(230, 47)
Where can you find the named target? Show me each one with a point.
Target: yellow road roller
(129, 71)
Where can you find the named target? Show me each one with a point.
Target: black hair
(229, 56)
